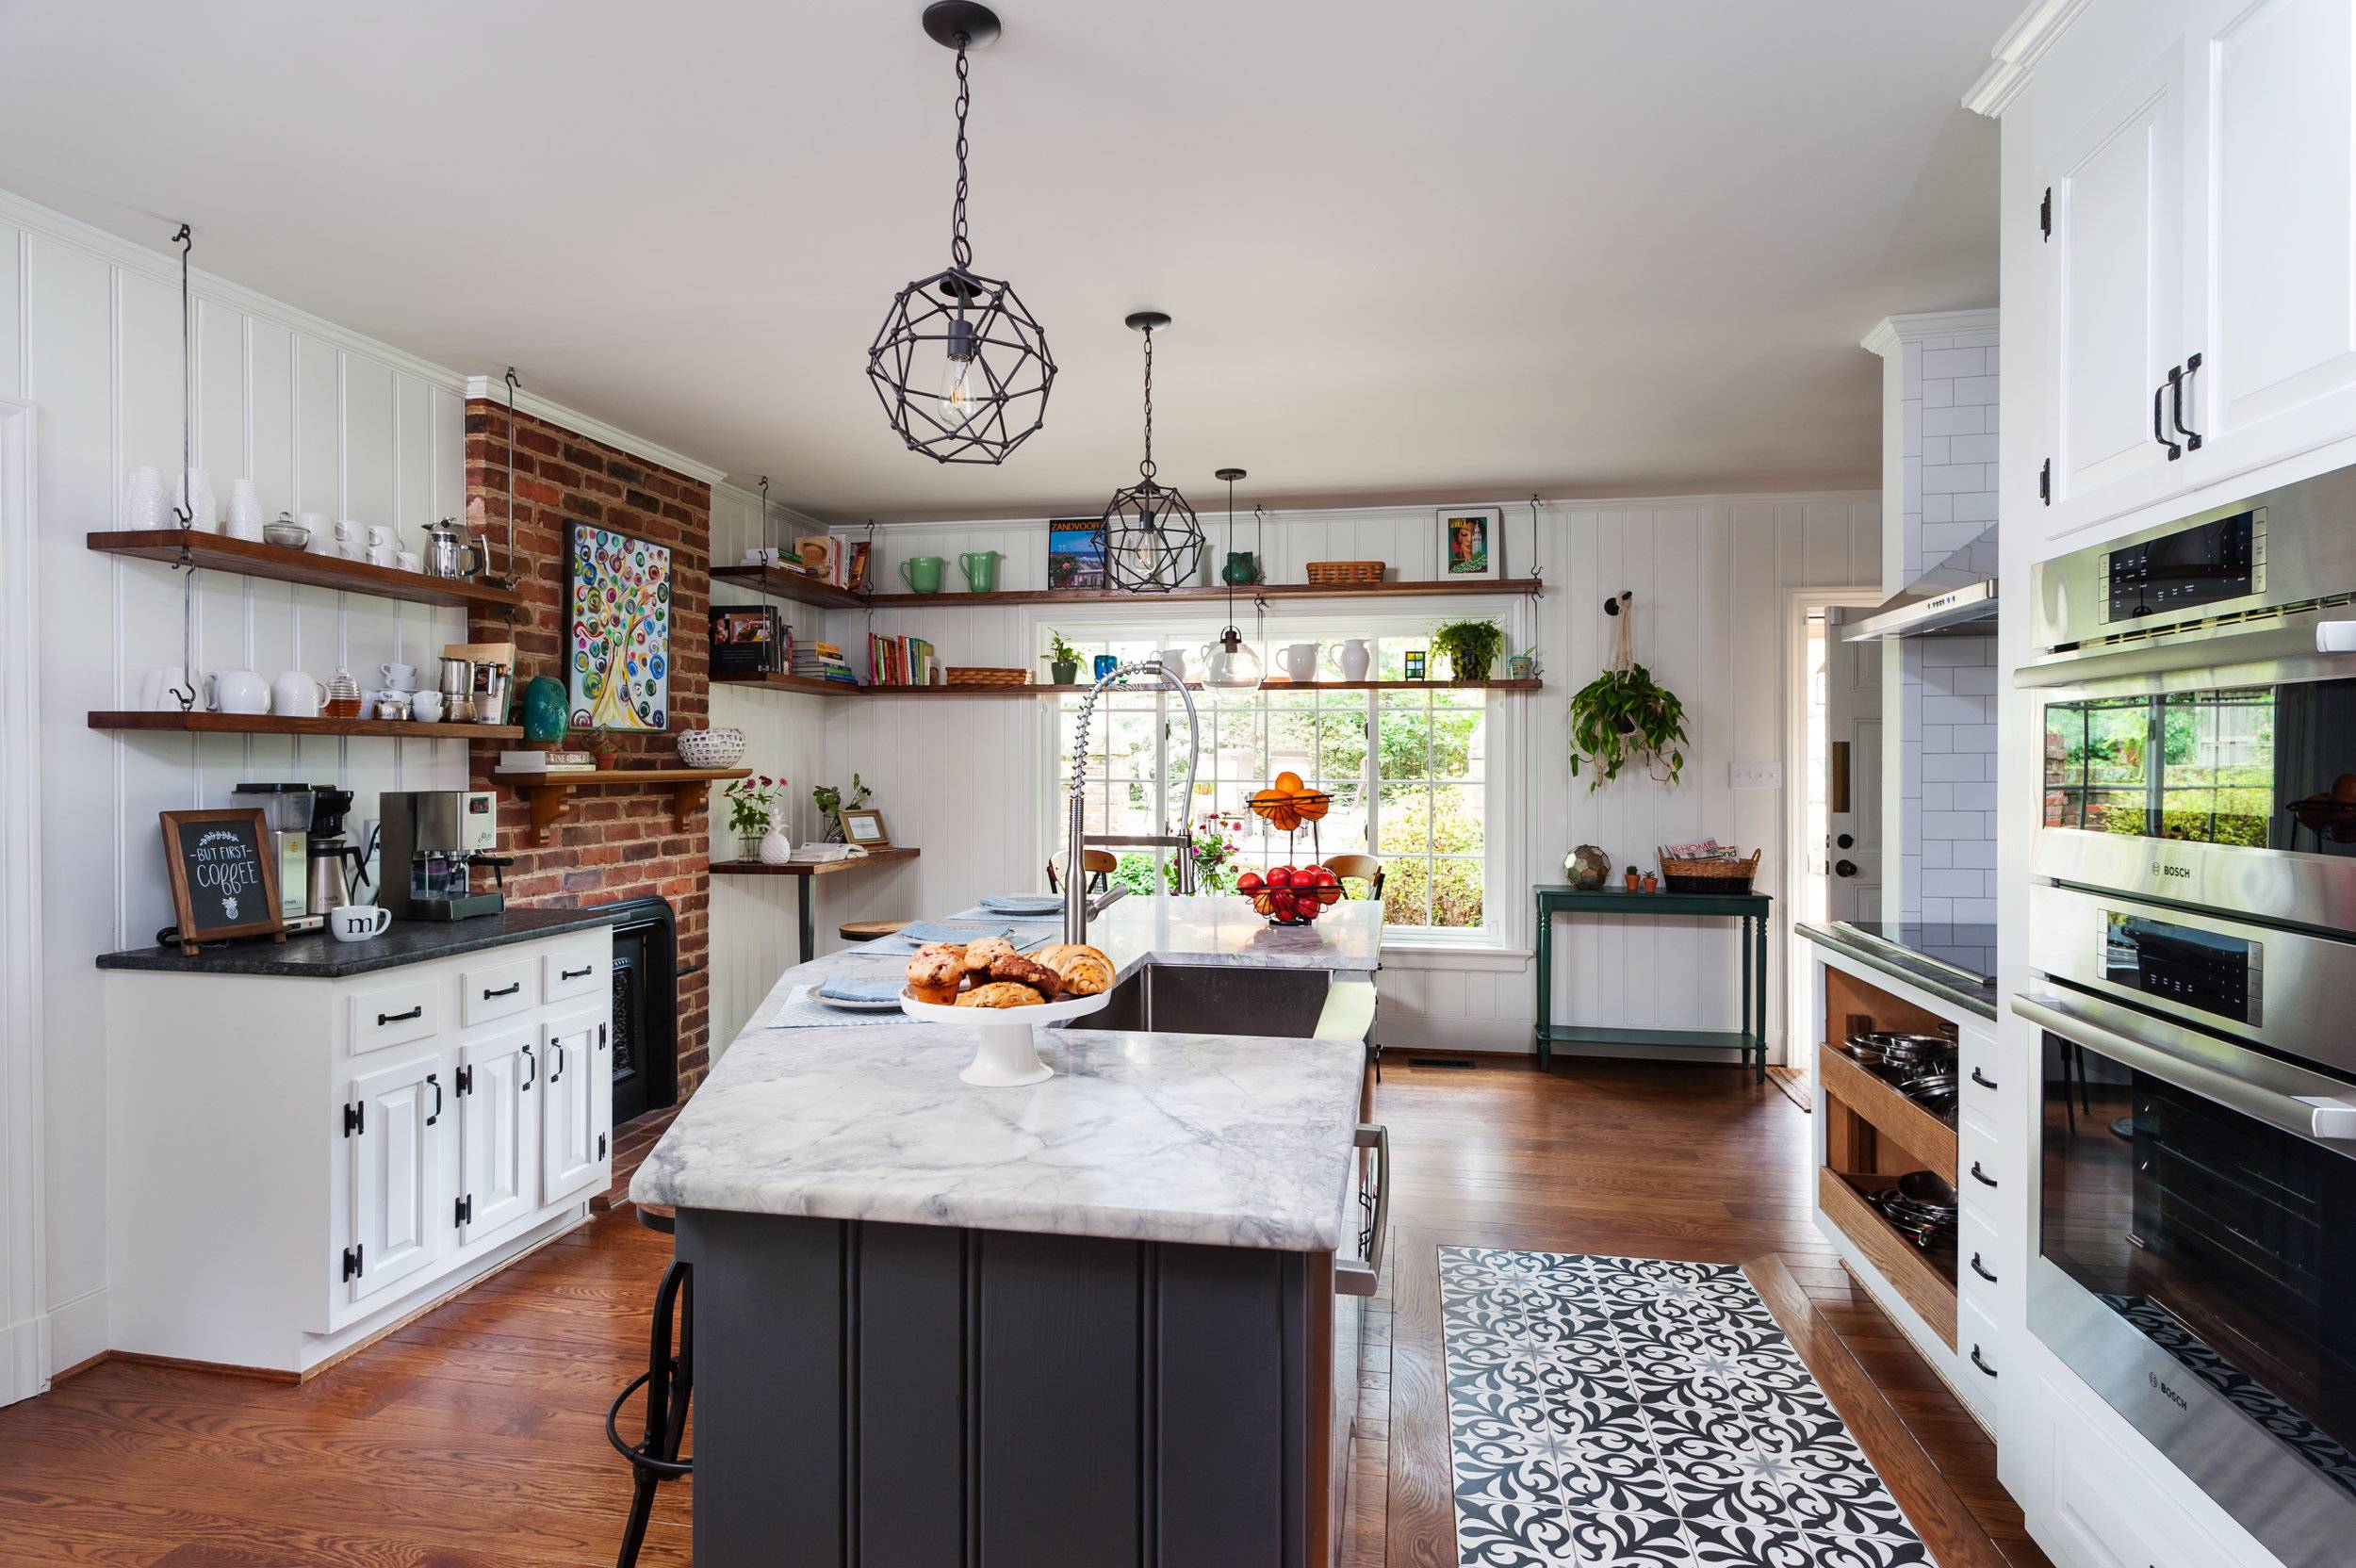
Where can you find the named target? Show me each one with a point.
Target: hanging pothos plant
(1624, 716)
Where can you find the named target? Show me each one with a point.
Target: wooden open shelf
(202, 722)
(825, 596)
(816, 868)
(836, 689)
(219, 552)
(1926, 1279)
(550, 795)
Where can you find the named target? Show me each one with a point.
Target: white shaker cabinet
(576, 1108)
(499, 1121)
(392, 1125)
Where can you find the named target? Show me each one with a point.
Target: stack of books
(831, 557)
(547, 761)
(902, 662)
(821, 662)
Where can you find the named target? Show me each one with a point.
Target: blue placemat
(802, 1010)
(1023, 904)
(1025, 935)
(844, 987)
(954, 930)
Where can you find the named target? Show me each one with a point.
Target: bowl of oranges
(1290, 895)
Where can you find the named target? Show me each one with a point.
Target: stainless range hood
(1946, 601)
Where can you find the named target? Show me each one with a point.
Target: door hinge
(601, 1036)
(464, 1082)
(466, 1210)
(602, 1146)
(351, 1263)
(2045, 214)
(355, 1119)
(2045, 483)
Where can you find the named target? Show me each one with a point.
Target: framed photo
(1076, 553)
(617, 629)
(865, 828)
(223, 875)
(1472, 542)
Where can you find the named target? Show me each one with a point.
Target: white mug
(382, 533)
(322, 532)
(380, 555)
(408, 561)
(236, 691)
(296, 695)
(164, 689)
(358, 922)
(426, 707)
(347, 530)
(399, 677)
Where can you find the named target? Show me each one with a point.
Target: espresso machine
(429, 844)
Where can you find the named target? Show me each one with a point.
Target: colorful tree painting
(618, 630)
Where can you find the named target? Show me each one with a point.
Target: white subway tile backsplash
(1969, 389)
(1978, 853)
(1954, 884)
(1972, 448)
(1950, 363)
(1938, 737)
(1953, 477)
(1937, 795)
(1955, 710)
(1974, 681)
(1948, 766)
(1939, 912)
(1939, 450)
(1948, 652)
(1971, 421)
(1972, 737)
(1968, 796)
(1953, 824)
(1973, 911)
(1979, 507)
(1938, 854)
(1936, 394)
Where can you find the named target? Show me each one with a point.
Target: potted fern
(1063, 659)
(1621, 716)
(1471, 646)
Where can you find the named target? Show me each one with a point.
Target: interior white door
(571, 1160)
(1853, 797)
(2270, 195)
(394, 1117)
(499, 1121)
(2118, 269)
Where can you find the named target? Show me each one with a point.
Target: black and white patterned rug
(1636, 1413)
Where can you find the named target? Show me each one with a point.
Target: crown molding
(2015, 54)
(1515, 509)
(1893, 330)
(495, 391)
(796, 520)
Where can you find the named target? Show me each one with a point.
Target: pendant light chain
(1146, 468)
(960, 248)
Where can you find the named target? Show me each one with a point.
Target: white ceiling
(1414, 251)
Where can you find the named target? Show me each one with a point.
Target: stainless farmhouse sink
(1216, 999)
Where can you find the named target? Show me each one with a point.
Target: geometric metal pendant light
(960, 365)
(1153, 542)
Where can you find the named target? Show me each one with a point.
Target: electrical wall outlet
(1755, 776)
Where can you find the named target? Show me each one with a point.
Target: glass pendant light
(1152, 542)
(1231, 664)
(961, 365)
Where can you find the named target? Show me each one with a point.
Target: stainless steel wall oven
(2195, 925)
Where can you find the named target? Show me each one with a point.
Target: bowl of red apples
(1290, 895)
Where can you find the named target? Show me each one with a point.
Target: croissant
(1085, 969)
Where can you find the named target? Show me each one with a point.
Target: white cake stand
(1009, 1056)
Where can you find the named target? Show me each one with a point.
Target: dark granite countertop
(319, 957)
(1894, 951)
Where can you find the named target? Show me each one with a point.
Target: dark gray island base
(933, 1397)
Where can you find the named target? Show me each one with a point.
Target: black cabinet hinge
(2045, 483)
(602, 1146)
(466, 1210)
(465, 1084)
(2045, 214)
(355, 1119)
(601, 1036)
(351, 1263)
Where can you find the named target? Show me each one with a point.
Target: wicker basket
(988, 674)
(1346, 574)
(1707, 876)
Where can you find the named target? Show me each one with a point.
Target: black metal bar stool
(668, 1380)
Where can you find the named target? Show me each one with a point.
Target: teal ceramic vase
(545, 719)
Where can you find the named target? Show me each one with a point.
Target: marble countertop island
(1219, 1139)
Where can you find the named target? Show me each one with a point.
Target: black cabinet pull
(2192, 437)
(1983, 1079)
(383, 1019)
(556, 1063)
(2174, 451)
(581, 974)
(534, 1063)
(1981, 1176)
(435, 1080)
(1981, 1364)
(1981, 1270)
(505, 991)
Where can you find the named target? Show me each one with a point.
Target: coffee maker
(337, 865)
(286, 814)
(429, 842)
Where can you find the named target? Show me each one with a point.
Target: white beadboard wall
(963, 778)
(321, 421)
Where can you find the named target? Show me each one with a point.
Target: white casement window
(1420, 774)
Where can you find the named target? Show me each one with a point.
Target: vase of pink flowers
(752, 815)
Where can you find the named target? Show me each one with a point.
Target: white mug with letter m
(358, 922)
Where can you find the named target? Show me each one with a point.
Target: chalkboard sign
(225, 879)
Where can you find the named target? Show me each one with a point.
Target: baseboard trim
(24, 1360)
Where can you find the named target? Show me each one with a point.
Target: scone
(1000, 993)
(1084, 970)
(936, 972)
(1024, 971)
(981, 954)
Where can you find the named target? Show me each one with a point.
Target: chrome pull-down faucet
(1076, 909)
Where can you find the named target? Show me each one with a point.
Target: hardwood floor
(474, 1438)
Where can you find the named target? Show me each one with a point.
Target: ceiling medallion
(960, 365)
(1152, 542)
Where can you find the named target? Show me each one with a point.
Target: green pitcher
(981, 570)
(922, 573)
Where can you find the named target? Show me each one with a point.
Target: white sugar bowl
(712, 748)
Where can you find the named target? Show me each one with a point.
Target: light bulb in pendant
(1233, 665)
(962, 383)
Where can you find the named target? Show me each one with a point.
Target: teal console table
(1752, 909)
